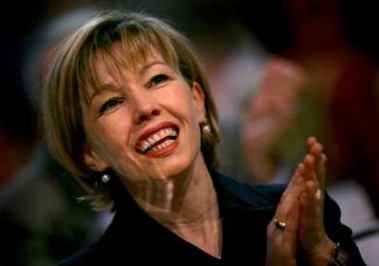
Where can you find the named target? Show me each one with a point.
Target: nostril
(156, 112)
(142, 118)
(147, 113)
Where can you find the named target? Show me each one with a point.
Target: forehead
(124, 48)
(108, 73)
(117, 61)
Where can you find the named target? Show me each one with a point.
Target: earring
(105, 178)
(206, 128)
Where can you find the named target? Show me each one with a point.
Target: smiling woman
(141, 136)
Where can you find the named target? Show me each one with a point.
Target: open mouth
(158, 141)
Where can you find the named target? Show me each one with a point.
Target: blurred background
(280, 70)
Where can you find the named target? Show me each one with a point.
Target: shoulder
(89, 255)
(246, 194)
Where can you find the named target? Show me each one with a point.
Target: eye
(158, 79)
(109, 104)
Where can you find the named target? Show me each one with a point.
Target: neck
(189, 209)
(205, 231)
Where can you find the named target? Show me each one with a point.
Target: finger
(310, 202)
(312, 197)
(320, 159)
(282, 233)
(314, 177)
(315, 149)
(311, 219)
(288, 209)
(310, 142)
(309, 171)
(312, 190)
(296, 179)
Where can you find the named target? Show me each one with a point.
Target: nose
(146, 108)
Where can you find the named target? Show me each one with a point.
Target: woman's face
(144, 124)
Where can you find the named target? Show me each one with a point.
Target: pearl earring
(206, 128)
(105, 178)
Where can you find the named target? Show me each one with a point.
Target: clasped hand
(297, 229)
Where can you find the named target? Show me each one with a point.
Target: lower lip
(164, 152)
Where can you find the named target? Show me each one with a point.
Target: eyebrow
(98, 91)
(109, 87)
(146, 67)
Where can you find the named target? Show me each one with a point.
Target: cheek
(184, 103)
(115, 133)
(109, 133)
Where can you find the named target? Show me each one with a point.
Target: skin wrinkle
(132, 96)
(176, 186)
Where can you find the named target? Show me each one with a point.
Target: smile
(157, 141)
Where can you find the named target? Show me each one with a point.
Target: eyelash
(109, 104)
(157, 79)
(154, 81)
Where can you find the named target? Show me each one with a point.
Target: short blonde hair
(72, 70)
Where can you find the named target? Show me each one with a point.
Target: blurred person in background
(322, 77)
(273, 123)
(18, 132)
(41, 219)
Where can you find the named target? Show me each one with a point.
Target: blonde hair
(72, 71)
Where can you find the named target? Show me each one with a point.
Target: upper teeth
(154, 138)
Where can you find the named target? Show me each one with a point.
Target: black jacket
(133, 238)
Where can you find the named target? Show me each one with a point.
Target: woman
(128, 111)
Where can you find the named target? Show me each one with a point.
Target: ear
(199, 98)
(92, 159)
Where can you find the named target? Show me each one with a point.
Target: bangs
(126, 47)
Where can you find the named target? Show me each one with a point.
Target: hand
(282, 238)
(297, 229)
(314, 245)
